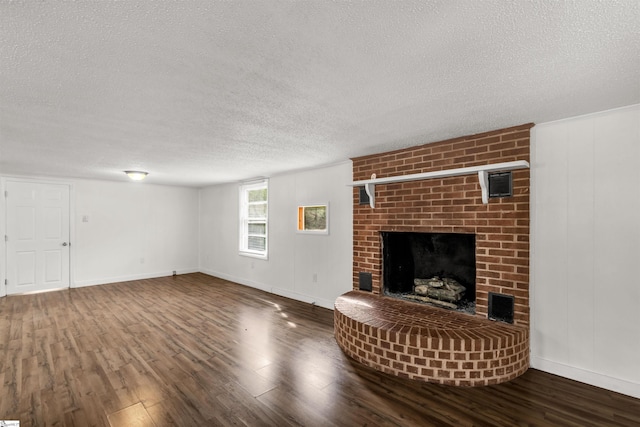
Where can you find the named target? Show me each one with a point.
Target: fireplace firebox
(434, 268)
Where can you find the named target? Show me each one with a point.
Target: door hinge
(6, 194)
(6, 238)
(6, 282)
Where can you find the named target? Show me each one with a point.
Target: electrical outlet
(315, 278)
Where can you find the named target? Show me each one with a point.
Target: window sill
(253, 255)
(318, 232)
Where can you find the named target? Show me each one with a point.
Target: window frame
(245, 221)
(300, 218)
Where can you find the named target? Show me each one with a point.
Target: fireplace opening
(433, 268)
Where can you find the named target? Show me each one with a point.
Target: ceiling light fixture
(136, 175)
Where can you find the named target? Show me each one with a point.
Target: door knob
(64, 244)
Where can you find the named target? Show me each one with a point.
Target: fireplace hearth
(434, 268)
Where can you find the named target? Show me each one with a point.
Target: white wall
(3, 221)
(585, 283)
(294, 258)
(134, 231)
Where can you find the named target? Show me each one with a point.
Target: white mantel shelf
(482, 171)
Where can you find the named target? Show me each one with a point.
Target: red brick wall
(452, 205)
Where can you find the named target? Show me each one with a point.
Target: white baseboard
(272, 290)
(237, 280)
(304, 298)
(128, 278)
(257, 285)
(588, 377)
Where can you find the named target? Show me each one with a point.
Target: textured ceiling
(206, 92)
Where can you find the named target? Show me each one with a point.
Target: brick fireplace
(443, 205)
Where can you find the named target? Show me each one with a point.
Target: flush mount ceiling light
(136, 175)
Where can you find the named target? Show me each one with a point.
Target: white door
(37, 236)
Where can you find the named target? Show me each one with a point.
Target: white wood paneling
(580, 241)
(549, 183)
(617, 244)
(586, 248)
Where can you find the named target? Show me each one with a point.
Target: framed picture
(313, 219)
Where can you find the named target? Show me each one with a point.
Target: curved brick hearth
(425, 343)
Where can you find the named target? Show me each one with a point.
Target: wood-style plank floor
(194, 350)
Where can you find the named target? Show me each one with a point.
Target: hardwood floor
(194, 350)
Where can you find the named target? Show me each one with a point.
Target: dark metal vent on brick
(501, 307)
(500, 184)
(364, 281)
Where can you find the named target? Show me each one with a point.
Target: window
(253, 219)
(313, 219)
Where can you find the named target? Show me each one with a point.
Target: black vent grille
(501, 307)
(365, 282)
